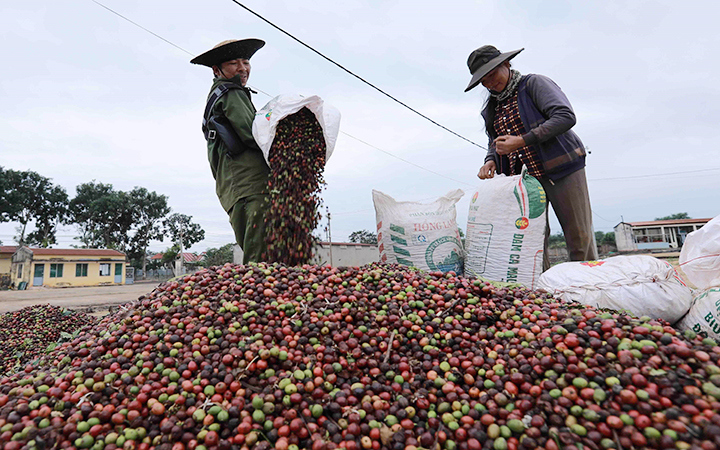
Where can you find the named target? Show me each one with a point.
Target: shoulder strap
(215, 95)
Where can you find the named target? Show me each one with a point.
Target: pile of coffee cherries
(27, 333)
(377, 357)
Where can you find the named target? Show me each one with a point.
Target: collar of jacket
(235, 80)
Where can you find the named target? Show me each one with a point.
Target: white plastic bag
(704, 315)
(275, 110)
(422, 235)
(506, 230)
(700, 255)
(641, 284)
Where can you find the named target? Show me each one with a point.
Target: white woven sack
(505, 231)
(700, 255)
(266, 120)
(704, 315)
(641, 284)
(422, 235)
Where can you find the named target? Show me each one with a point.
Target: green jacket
(242, 175)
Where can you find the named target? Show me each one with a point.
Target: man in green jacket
(237, 164)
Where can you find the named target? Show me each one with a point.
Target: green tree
(178, 225)
(462, 236)
(609, 239)
(8, 206)
(219, 256)
(599, 236)
(557, 240)
(675, 216)
(605, 238)
(30, 197)
(363, 237)
(101, 214)
(125, 221)
(169, 256)
(149, 210)
(52, 213)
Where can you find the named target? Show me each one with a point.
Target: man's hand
(504, 145)
(487, 171)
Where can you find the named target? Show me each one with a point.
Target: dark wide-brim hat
(483, 60)
(229, 50)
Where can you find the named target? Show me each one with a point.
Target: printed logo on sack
(522, 223)
(446, 245)
(592, 263)
(530, 197)
(475, 197)
(267, 116)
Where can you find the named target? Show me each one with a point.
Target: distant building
(190, 262)
(6, 252)
(656, 234)
(58, 267)
(188, 258)
(347, 254)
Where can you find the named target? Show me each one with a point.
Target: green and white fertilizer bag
(506, 230)
(704, 315)
(422, 235)
(641, 284)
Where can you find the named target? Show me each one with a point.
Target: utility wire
(372, 209)
(654, 175)
(143, 28)
(406, 161)
(600, 217)
(260, 90)
(354, 75)
(383, 92)
(304, 44)
(158, 36)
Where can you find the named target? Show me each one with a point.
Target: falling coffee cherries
(297, 161)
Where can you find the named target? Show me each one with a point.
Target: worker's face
(497, 79)
(229, 69)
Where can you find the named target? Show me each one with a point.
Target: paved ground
(95, 300)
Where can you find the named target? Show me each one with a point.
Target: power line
(354, 75)
(383, 92)
(406, 161)
(345, 213)
(260, 90)
(654, 175)
(143, 28)
(158, 36)
(600, 217)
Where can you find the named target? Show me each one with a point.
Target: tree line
(126, 221)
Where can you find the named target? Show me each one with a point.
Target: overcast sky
(88, 96)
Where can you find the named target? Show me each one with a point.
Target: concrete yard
(96, 300)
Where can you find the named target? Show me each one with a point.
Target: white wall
(624, 238)
(351, 255)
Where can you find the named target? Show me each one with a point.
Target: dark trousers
(247, 218)
(570, 200)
